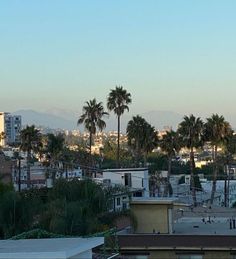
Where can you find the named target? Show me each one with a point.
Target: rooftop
(47, 248)
(204, 226)
(126, 170)
(152, 200)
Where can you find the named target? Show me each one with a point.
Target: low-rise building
(54, 248)
(168, 230)
(134, 178)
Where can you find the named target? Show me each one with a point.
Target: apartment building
(11, 126)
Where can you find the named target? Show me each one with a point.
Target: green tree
(30, 142)
(136, 132)
(150, 141)
(217, 131)
(142, 138)
(92, 118)
(118, 101)
(54, 149)
(170, 145)
(191, 131)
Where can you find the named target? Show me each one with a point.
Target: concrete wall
(151, 218)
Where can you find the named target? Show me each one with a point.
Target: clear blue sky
(177, 55)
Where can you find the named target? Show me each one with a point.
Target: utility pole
(19, 173)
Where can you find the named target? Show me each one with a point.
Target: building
(133, 178)
(54, 248)
(169, 230)
(125, 184)
(11, 126)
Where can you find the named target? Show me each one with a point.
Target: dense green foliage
(69, 208)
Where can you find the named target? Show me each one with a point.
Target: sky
(175, 55)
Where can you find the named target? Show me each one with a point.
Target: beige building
(168, 230)
(153, 216)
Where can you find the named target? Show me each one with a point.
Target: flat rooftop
(152, 200)
(47, 248)
(204, 226)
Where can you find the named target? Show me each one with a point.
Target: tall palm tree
(150, 141)
(93, 113)
(217, 131)
(142, 137)
(170, 145)
(136, 132)
(191, 130)
(118, 101)
(30, 142)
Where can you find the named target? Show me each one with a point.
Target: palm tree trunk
(118, 145)
(215, 173)
(166, 191)
(28, 169)
(228, 182)
(90, 153)
(137, 154)
(19, 174)
(192, 182)
(145, 159)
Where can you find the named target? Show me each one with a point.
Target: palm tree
(217, 131)
(170, 144)
(30, 142)
(136, 132)
(142, 137)
(191, 130)
(93, 113)
(150, 141)
(118, 101)
(55, 145)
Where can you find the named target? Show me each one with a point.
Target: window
(118, 201)
(128, 179)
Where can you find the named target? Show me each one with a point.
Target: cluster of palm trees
(93, 113)
(192, 133)
(51, 146)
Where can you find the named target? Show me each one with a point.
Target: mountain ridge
(158, 119)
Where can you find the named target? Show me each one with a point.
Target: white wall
(139, 177)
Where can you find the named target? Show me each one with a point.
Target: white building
(11, 126)
(53, 248)
(134, 178)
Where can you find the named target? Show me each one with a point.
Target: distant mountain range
(45, 119)
(159, 119)
(64, 120)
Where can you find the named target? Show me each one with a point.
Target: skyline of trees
(192, 134)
